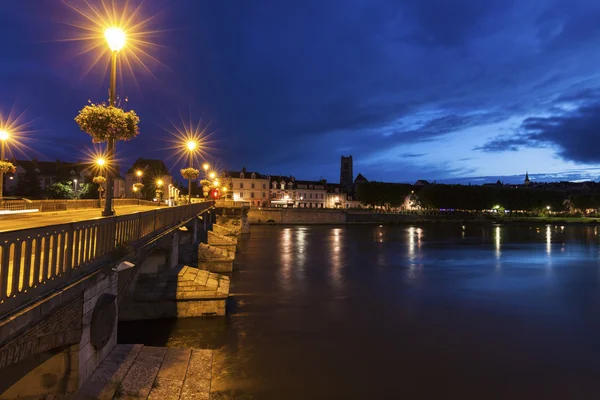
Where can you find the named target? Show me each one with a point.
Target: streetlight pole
(3, 138)
(116, 40)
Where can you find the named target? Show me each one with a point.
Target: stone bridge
(63, 286)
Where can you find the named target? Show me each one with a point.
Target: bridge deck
(39, 219)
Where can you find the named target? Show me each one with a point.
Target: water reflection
(336, 258)
(548, 240)
(285, 253)
(301, 242)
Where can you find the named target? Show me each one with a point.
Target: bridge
(62, 277)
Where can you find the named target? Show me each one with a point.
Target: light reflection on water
(323, 312)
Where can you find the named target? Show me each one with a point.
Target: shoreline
(405, 222)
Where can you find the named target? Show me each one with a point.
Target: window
(253, 176)
(264, 186)
(264, 195)
(241, 195)
(252, 194)
(321, 196)
(310, 197)
(241, 185)
(241, 175)
(252, 186)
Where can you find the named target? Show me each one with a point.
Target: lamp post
(139, 174)
(100, 162)
(191, 145)
(159, 184)
(115, 38)
(75, 187)
(3, 138)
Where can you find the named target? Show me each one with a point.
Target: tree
(60, 190)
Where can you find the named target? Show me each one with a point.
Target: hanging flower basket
(7, 167)
(100, 180)
(138, 186)
(205, 184)
(190, 173)
(102, 122)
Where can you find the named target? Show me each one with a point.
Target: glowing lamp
(191, 145)
(3, 135)
(159, 182)
(138, 173)
(115, 37)
(205, 166)
(101, 161)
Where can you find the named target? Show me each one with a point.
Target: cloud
(573, 132)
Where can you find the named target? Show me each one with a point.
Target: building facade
(310, 194)
(247, 186)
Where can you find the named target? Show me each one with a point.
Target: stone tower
(346, 173)
(526, 182)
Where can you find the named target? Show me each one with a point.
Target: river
(390, 312)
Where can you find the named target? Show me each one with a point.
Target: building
(310, 194)
(152, 171)
(346, 173)
(339, 197)
(282, 191)
(526, 182)
(246, 186)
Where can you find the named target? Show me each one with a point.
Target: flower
(7, 167)
(102, 122)
(138, 186)
(190, 173)
(99, 180)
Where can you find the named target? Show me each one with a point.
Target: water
(429, 311)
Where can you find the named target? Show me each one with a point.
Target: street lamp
(115, 38)
(191, 145)
(212, 175)
(3, 138)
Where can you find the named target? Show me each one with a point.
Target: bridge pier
(64, 339)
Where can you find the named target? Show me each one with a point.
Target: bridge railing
(231, 203)
(58, 205)
(36, 261)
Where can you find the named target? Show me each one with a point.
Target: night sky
(446, 90)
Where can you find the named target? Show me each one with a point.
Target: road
(39, 219)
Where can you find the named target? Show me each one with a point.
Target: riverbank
(299, 216)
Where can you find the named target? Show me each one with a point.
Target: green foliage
(88, 190)
(190, 173)
(7, 167)
(102, 122)
(477, 198)
(383, 194)
(60, 190)
(586, 201)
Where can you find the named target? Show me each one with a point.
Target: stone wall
(99, 324)
(56, 344)
(295, 216)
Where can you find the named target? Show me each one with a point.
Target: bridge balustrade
(34, 262)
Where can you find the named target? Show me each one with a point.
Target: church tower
(346, 173)
(526, 182)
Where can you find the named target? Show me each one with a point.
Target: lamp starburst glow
(115, 37)
(191, 145)
(3, 135)
(100, 161)
(120, 23)
(205, 166)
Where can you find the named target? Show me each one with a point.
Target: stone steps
(144, 372)
(215, 259)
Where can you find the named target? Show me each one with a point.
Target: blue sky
(456, 91)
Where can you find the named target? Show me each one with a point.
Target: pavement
(143, 372)
(39, 219)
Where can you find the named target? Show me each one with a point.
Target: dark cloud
(294, 85)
